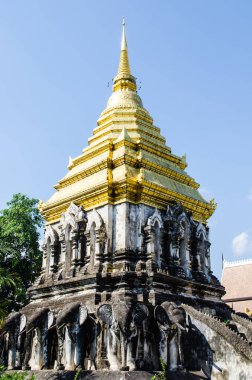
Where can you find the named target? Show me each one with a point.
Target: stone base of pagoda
(110, 375)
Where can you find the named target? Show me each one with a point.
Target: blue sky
(194, 60)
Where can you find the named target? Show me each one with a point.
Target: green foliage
(2, 369)
(77, 374)
(162, 375)
(20, 256)
(14, 375)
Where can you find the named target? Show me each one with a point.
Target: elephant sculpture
(127, 335)
(13, 340)
(172, 321)
(36, 342)
(71, 345)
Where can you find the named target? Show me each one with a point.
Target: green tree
(20, 256)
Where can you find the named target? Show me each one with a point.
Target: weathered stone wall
(229, 363)
(127, 267)
(128, 223)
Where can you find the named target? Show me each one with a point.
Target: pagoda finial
(124, 42)
(124, 67)
(124, 79)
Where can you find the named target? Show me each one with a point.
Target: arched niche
(12, 341)
(154, 239)
(72, 226)
(184, 239)
(202, 248)
(74, 216)
(68, 245)
(95, 240)
(51, 251)
(94, 217)
(156, 217)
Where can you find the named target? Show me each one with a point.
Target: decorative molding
(237, 263)
(155, 217)
(94, 217)
(51, 234)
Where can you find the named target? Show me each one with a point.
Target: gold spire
(124, 80)
(124, 67)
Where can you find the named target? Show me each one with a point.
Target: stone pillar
(150, 247)
(175, 250)
(81, 250)
(53, 253)
(11, 344)
(154, 243)
(74, 259)
(208, 256)
(182, 251)
(184, 247)
(188, 251)
(173, 353)
(18, 358)
(62, 257)
(201, 253)
(28, 350)
(36, 356)
(98, 258)
(163, 346)
(87, 261)
(69, 350)
(45, 348)
(60, 334)
(198, 255)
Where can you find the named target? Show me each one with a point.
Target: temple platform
(111, 375)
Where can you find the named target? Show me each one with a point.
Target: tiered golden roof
(126, 160)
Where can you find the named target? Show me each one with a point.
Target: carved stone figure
(10, 340)
(70, 322)
(127, 334)
(20, 341)
(171, 319)
(36, 342)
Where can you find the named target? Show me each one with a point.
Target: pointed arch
(154, 239)
(68, 217)
(72, 226)
(94, 217)
(201, 232)
(51, 233)
(156, 217)
(51, 250)
(202, 248)
(95, 238)
(73, 216)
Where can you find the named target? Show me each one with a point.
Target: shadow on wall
(198, 355)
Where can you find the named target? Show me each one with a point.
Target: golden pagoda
(126, 274)
(126, 160)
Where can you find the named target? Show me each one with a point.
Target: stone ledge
(108, 375)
